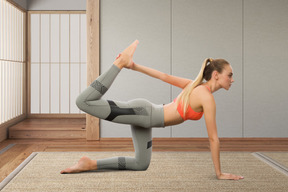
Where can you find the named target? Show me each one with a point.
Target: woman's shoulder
(202, 88)
(203, 92)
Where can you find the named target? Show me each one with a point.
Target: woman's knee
(81, 103)
(142, 166)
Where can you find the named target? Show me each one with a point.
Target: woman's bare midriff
(171, 115)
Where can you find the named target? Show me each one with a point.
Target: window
(58, 61)
(12, 61)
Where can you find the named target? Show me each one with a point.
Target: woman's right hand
(125, 59)
(228, 176)
(130, 65)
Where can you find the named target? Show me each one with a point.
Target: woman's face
(225, 79)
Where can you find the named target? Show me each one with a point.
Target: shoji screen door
(12, 61)
(57, 62)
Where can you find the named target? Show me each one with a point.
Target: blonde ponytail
(184, 96)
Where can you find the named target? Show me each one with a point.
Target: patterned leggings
(141, 114)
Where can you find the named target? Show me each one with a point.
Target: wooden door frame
(93, 58)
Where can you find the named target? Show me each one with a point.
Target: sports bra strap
(208, 87)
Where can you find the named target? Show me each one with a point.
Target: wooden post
(92, 14)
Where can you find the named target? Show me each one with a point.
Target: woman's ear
(215, 75)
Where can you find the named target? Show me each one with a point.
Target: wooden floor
(14, 156)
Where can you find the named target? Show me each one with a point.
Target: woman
(195, 99)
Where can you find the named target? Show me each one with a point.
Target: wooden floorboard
(14, 156)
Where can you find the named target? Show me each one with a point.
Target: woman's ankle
(118, 64)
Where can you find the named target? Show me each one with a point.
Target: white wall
(148, 21)
(265, 68)
(204, 29)
(177, 35)
(21, 3)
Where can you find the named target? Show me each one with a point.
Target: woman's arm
(173, 80)
(209, 108)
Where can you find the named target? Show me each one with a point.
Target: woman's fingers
(125, 59)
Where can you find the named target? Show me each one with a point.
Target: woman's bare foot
(125, 59)
(84, 164)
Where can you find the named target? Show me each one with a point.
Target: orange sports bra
(190, 113)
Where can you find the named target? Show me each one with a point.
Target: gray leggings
(141, 114)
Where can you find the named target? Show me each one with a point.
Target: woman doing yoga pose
(195, 100)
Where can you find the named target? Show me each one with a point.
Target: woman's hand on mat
(229, 176)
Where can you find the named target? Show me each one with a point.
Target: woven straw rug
(168, 171)
(279, 157)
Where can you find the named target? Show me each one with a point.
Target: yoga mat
(168, 171)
